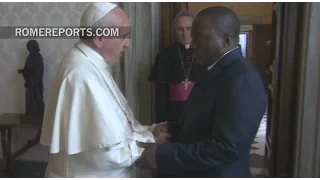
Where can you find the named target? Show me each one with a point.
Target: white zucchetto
(94, 12)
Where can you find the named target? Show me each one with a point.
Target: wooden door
(272, 85)
(168, 12)
(262, 59)
(261, 50)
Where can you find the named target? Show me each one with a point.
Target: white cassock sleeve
(84, 120)
(116, 157)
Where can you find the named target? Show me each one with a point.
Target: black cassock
(174, 73)
(33, 76)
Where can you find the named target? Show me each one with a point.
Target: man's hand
(160, 127)
(161, 132)
(163, 137)
(148, 157)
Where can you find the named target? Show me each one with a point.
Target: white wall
(13, 53)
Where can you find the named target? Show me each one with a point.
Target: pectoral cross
(186, 82)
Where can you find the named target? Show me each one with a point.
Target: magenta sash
(178, 92)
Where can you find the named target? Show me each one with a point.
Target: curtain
(131, 74)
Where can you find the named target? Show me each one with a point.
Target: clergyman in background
(175, 71)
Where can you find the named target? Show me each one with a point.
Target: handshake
(161, 132)
(162, 135)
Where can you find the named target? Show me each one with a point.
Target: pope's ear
(97, 41)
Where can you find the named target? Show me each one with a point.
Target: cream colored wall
(13, 54)
(242, 9)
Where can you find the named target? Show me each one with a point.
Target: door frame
(295, 136)
(307, 146)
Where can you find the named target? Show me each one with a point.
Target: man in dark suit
(221, 117)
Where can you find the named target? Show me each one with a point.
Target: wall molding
(246, 28)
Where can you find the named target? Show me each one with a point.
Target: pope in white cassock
(88, 125)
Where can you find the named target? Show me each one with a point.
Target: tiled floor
(258, 150)
(31, 164)
(36, 169)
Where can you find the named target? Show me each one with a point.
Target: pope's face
(116, 46)
(113, 48)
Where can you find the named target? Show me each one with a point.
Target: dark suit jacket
(218, 124)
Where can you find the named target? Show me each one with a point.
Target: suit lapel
(200, 85)
(206, 80)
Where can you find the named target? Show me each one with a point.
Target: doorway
(255, 42)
